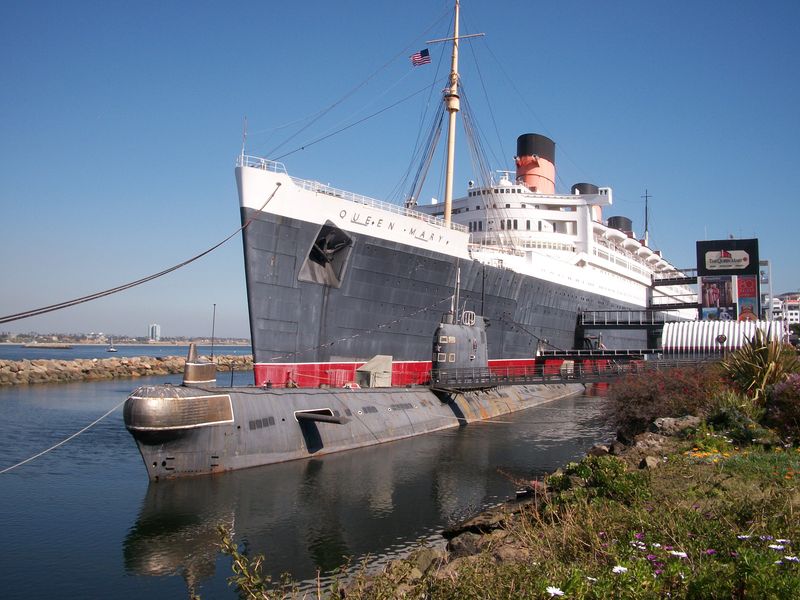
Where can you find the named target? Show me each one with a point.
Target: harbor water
(83, 521)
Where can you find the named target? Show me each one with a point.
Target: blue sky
(120, 123)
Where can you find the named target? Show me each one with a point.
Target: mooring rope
(62, 442)
(120, 288)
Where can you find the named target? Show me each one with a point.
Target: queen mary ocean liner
(335, 278)
(346, 295)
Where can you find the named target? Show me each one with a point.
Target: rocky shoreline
(24, 372)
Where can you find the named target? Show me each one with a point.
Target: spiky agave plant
(760, 363)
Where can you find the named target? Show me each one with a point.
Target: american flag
(422, 57)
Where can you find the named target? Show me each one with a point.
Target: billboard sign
(727, 257)
(748, 297)
(717, 298)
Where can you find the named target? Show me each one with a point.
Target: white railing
(320, 188)
(243, 160)
(481, 247)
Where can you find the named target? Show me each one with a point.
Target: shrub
(783, 407)
(739, 427)
(602, 477)
(637, 400)
(736, 403)
(759, 364)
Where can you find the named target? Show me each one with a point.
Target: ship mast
(452, 104)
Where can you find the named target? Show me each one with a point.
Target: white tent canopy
(717, 336)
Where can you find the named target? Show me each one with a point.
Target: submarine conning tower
(536, 163)
(460, 345)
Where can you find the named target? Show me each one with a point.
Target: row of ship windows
(497, 191)
(504, 224)
(466, 208)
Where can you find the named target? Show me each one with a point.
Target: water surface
(83, 521)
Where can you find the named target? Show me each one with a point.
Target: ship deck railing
(675, 277)
(320, 188)
(466, 379)
(607, 318)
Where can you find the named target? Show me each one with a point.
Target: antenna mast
(646, 217)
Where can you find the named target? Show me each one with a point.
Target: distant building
(791, 307)
(154, 332)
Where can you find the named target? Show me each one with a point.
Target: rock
(466, 544)
(425, 558)
(673, 426)
(53, 371)
(617, 448)
(484, 522)
(598, 450)
(652, 442)
(649, 462)
(511, 553)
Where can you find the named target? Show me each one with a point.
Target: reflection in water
(309, 516)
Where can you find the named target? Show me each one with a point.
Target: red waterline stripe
(309, 375)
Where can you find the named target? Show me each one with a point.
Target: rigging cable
(325, 111)
(488, 104)
(427, 157)
(512, 322)
(365, 332)
(120, 288)
(545, 129)
(415, 160)
(325, 137)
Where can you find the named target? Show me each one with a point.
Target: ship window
(327, 258)
(441, 357)
(480, 225)
(443, 339)
(508, 224)
(451, 357)
(502, 224)
(515, 223)
(540, 225)
(452, 339)
(508, 206)
(528, 225)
